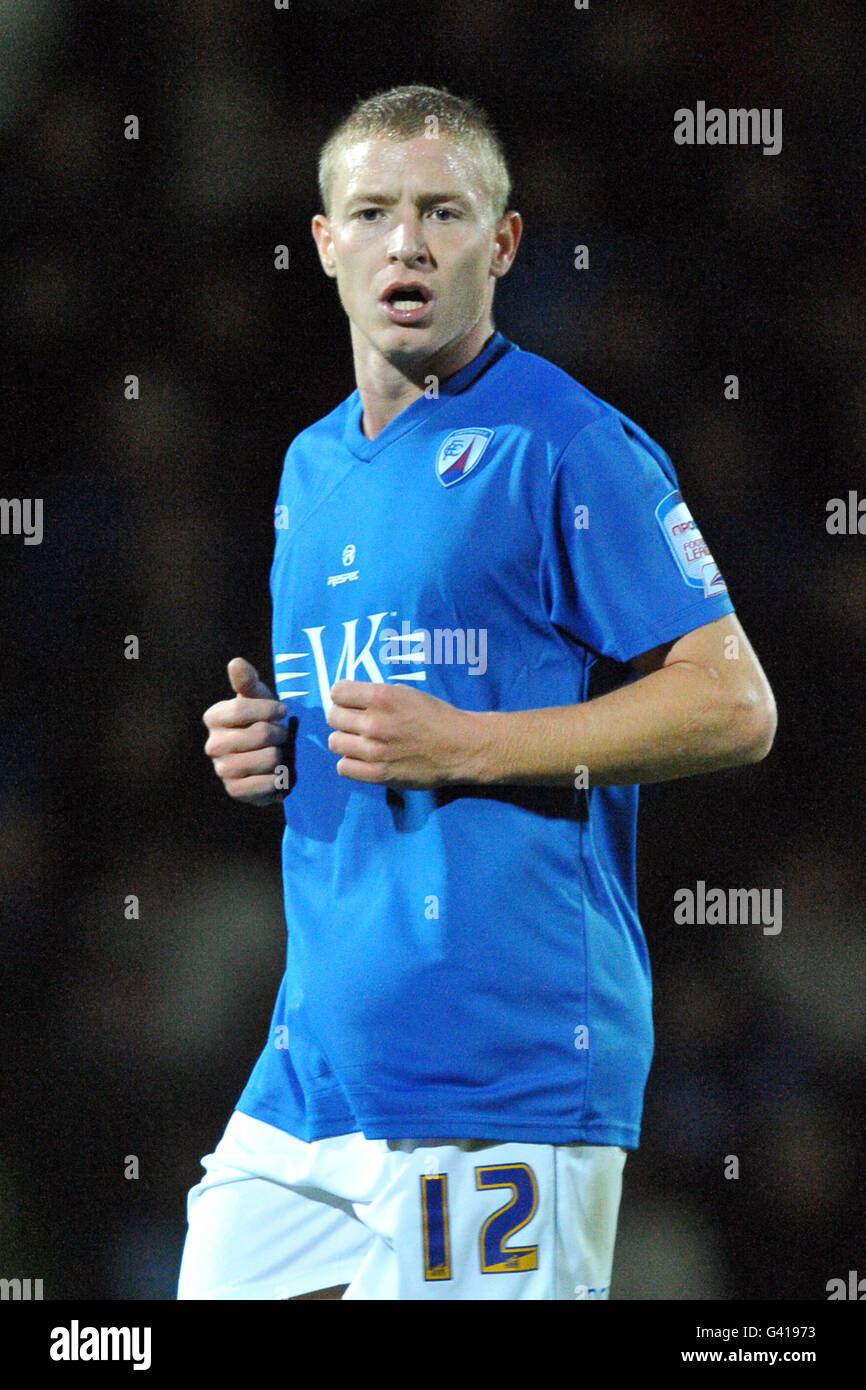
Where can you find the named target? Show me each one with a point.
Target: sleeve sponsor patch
(688, 547)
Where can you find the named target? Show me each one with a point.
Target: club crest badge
(460, 453)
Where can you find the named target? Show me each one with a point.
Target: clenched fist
(246, 737)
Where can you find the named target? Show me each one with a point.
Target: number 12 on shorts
(495, 1257)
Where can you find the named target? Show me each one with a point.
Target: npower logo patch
(459, 453)
(688, 547)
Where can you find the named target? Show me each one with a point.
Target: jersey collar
(357, 442)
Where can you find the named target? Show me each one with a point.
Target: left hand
(400, 736)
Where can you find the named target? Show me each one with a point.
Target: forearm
(675, 722)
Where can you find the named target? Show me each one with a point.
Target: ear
(507, 239)
(324, 243)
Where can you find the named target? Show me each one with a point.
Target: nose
(406, 242)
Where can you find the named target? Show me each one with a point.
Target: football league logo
(460, 453)
(688, 547)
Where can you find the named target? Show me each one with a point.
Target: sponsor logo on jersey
(688, 547)
(412, 647)
(459, 454)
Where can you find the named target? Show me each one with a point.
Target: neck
(387, 387)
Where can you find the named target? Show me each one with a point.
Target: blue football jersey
(468, 961)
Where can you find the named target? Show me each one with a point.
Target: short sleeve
(623, 564)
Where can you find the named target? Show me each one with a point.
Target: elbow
(756, 724)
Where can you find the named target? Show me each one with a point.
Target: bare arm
(703, 704)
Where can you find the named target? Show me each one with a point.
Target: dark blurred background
(156, 257)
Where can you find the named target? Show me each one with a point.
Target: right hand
(246, 737)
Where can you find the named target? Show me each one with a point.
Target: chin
(410, 346)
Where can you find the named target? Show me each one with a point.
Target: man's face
(413, 213)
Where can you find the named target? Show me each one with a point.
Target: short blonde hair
(404, 113)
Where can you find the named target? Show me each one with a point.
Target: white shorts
(400, 1219)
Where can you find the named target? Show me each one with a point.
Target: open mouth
(407, 298)
(406, 303)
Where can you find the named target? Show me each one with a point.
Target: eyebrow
(423, 199)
